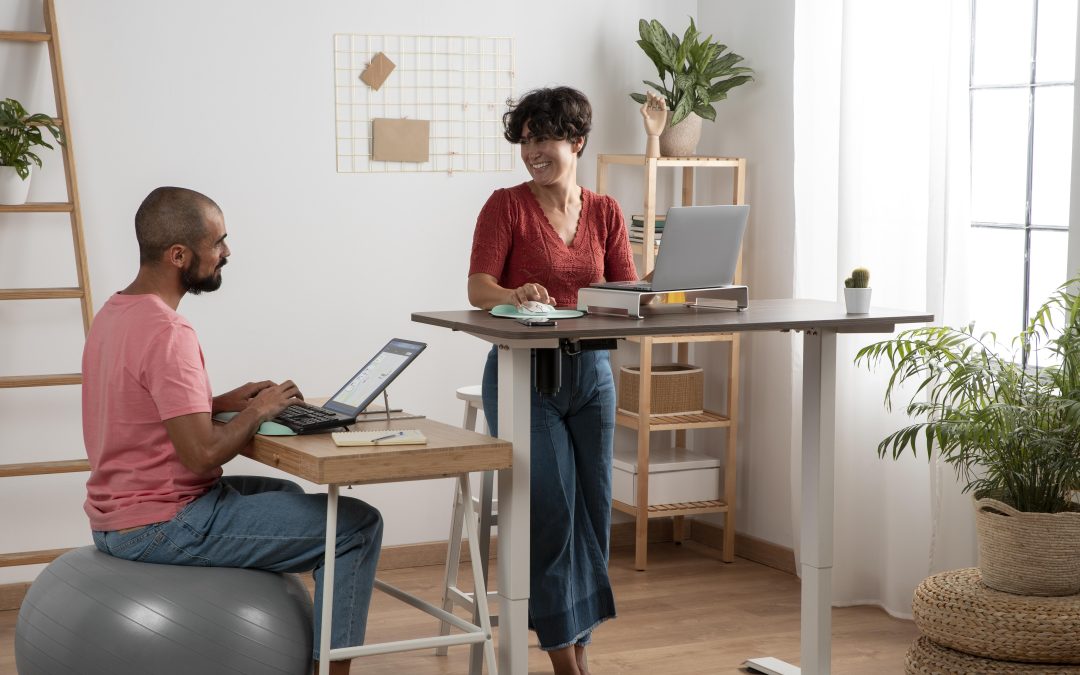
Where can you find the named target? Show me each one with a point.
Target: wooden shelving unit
(80, 292)
(678, 424)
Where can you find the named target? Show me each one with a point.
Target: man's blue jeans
(572, 438)
(268, 524)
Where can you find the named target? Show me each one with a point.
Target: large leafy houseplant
(1008, 423)
(20, 132)
(694, 72)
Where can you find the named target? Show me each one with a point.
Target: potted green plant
(694, 74)
(857, 291)
(1008, 421)
(20, 133)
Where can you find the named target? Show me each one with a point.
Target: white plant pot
(13, 189)
(857, 300)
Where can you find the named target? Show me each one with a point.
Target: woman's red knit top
(514, 243)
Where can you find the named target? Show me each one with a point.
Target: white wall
(235, 99)
(755, 122)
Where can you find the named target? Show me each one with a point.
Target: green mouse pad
(266, 428)
(511, 312)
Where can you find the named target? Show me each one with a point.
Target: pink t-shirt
(514, 243)
(142, 364)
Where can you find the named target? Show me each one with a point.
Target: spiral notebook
(380, 437)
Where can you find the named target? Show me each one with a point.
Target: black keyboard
(303, 419)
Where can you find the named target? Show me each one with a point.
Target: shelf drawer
(676, 475)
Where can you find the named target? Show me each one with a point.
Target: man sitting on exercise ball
(156, 492)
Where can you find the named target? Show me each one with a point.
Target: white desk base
(473, 634)
(771, 666)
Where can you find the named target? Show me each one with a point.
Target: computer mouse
(534, 307)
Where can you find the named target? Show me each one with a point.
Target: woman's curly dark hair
(559, 113)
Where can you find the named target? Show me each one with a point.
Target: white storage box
(676, 475)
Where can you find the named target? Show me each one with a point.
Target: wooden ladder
(82, 291)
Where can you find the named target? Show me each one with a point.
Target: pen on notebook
(383, 438)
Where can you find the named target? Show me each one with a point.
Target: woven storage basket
(955, 610)
(926, 658)
(677, 389)
(1028, 553)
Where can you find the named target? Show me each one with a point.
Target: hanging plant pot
(1028, 553)
(13, 189)
(682, 139)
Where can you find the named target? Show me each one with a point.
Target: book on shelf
(638, 221)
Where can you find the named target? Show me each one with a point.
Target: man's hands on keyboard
(271, 400)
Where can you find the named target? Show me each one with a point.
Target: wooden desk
(449, 452)
(820, 322)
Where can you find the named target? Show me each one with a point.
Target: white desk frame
(818, 447)
(818, 450)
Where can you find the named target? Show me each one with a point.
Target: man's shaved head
(171, 215)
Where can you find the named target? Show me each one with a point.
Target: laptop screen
(379, 372)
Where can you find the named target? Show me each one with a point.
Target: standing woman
(543, 240)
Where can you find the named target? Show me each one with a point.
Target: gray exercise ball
(91, 613)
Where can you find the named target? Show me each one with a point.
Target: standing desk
(818, 320)
(449, 451)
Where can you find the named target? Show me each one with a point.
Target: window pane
(999, 121)
(1002, 42)
(996, 281)
(1052, 165)
(1055, 56)
(1049, 265)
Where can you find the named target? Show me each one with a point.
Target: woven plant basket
(926, 658)
(955, 610)
(1028, 553)
(677, 389)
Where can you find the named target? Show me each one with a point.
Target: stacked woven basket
(968, 627)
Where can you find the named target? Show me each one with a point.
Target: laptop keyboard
(304, 416)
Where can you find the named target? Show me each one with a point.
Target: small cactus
(860, 278)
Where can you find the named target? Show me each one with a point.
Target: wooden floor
(689, 614)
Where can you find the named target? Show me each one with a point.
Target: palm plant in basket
(1008, 421)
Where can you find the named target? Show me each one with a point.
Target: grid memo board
(459, 83)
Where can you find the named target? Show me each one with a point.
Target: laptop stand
(635, 304)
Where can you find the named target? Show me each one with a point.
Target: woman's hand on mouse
(530, 291)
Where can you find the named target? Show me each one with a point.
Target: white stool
(487, 510)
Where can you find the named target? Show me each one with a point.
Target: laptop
(700, 249)
(361, 389)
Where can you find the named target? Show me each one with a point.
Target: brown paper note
(377, 71)
(399, 140)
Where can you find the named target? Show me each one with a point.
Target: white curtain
(881, 174)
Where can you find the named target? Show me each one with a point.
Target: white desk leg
(818, 441)
(818, 448)
(328, 578)
(515, 401)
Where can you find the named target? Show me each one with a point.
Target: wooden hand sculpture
(654, 113)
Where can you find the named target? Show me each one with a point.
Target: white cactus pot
(857, 300)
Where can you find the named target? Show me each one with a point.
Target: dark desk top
(762, 315)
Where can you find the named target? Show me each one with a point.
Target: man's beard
(196, 285)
